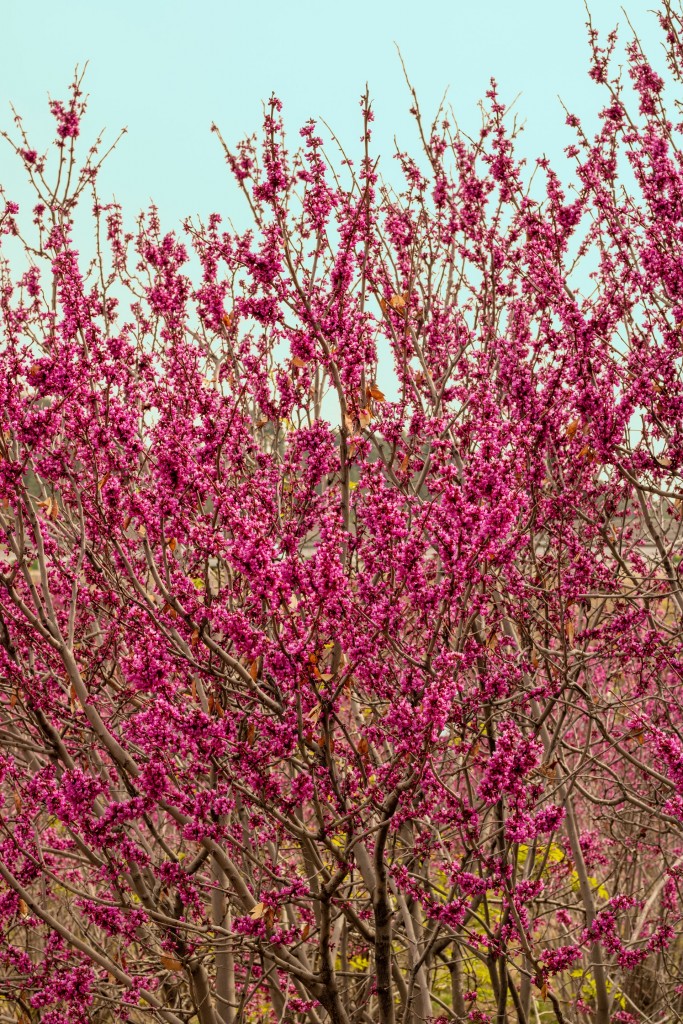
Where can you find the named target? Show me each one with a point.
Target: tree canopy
(340, 591)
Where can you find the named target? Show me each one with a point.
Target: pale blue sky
(167, 70)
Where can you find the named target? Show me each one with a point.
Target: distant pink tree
(340, 593)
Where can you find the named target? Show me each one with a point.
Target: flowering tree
(340, 608)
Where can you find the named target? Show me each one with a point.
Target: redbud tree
(340, 597)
